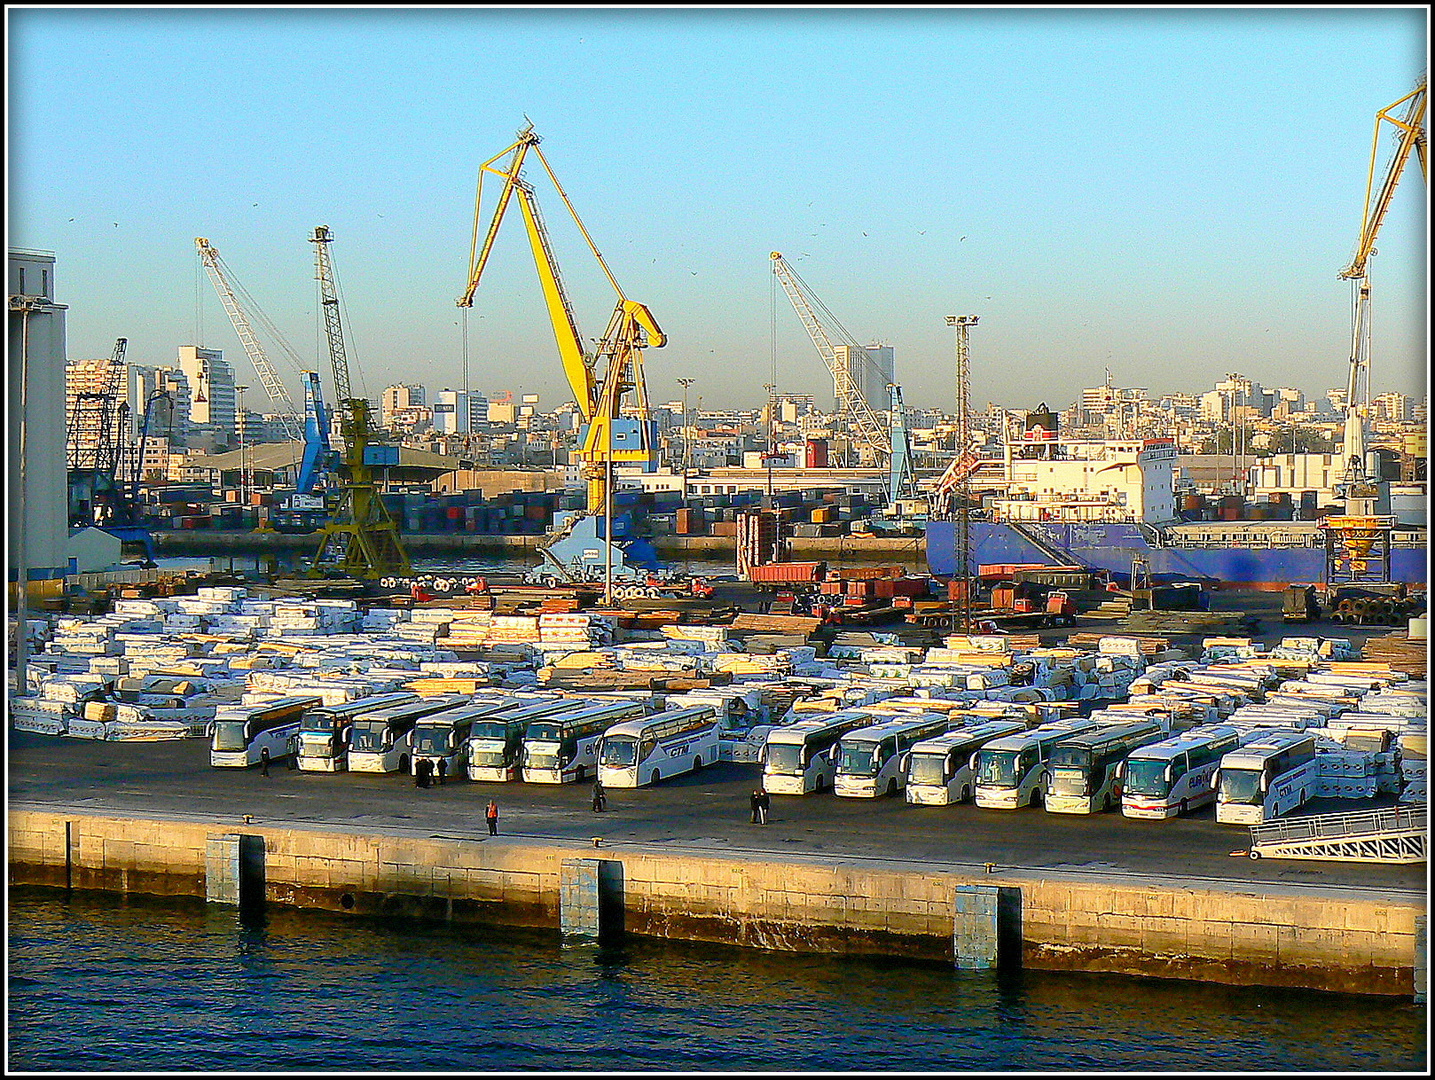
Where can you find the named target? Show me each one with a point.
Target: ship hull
(1248, 557)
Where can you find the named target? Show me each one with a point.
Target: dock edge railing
(1358, 825)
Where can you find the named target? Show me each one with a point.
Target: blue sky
(1169, 194)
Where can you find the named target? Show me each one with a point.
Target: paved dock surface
(707, 810)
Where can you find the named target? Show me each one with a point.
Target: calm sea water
(100, 983)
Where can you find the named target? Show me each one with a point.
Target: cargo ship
(1235, 554)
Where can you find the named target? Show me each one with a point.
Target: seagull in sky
(963, 238)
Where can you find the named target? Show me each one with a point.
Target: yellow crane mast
(1358, 489)
(599, 379)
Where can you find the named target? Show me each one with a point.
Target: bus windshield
(1147, 777)
(620, 750)
(433, 740)
(998, 768)
(784, 759)
(542, 755)
(859, 759)
(1069, 779)
(230, 735)
(1241, 786)
(492, 754)
(927, 769)
(319, 723)
(536, 731)
(369, 738)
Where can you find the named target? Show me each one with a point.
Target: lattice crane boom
(362, 539)
(852, 406)
(268, 377)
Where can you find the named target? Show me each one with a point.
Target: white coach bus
(1011, 770)
(1265, 778)
(383, 740)
(870, 759)
(325, 730)
(1173, 776)
(939, 770)
(650, 748)
(563, 747)
(245, 735)
(801, 757)
(1084, 772)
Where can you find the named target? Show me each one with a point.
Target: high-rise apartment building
(213, 403)
(871, 369)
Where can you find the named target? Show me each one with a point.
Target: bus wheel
(965, 794)
(1183, 807)
(404, 764)
(891, 788)
(656, 776)
(697, 763)
(821, 785)
(1254, 853)
(580, 774)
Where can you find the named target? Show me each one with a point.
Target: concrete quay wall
(1354, 944)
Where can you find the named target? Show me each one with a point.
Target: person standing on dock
(492, 815)
(600, 797)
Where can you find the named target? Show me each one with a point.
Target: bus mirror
(762, 755)
(1265, 783)
(1120, 770)
(972, 763)
(1215, 779)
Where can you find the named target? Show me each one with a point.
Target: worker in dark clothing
(442, 770)
(755, 802)
(492, 816)
(600, 797)
(264, 762)
(764, 803)
(423, 769)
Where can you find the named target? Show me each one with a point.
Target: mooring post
(234, 869)
(986, 927)
(591, 899)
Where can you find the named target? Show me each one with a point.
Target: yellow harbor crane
(600, 379)
(361, 540)
(606, 438)
(1359, 490)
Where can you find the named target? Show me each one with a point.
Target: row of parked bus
(1072, 765)
(508, 737)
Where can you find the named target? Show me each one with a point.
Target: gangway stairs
(1394, 835)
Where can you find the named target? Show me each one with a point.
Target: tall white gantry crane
(1359, 489)
(853, 410)
(225, 286)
